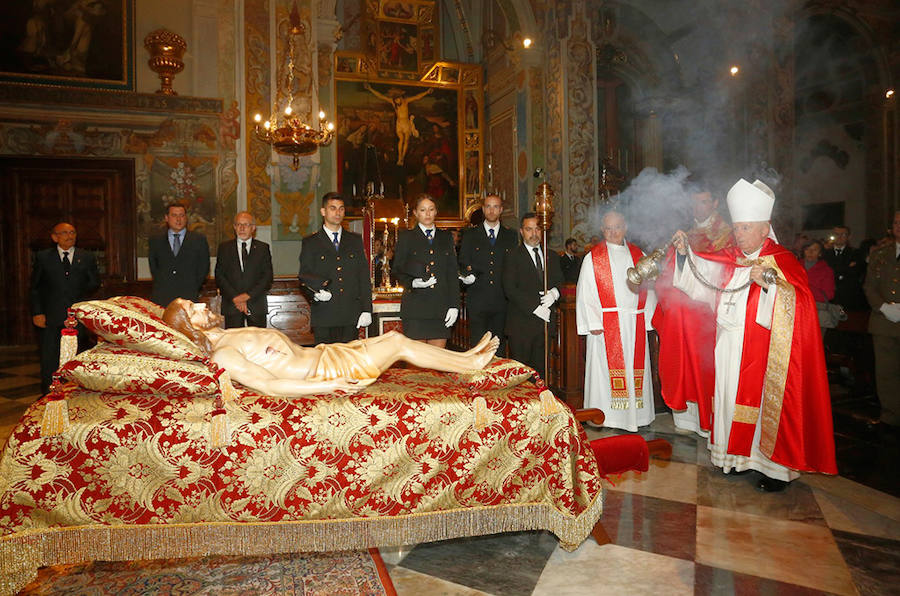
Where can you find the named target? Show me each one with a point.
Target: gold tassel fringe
(23, 552)
(68, 346)
(480, 413)
(55, 420)
(550, 406)
(225, 386)
(219, 434)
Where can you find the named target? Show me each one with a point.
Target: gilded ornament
(166, 53)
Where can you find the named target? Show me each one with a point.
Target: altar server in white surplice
(615, 319)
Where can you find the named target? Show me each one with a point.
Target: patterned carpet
(321, 574)
(681, 528)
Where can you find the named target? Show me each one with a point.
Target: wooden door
(96, 196)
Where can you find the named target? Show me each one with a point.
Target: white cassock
(730, 317)
(589, 316)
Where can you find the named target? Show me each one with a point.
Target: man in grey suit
(61, 276)
(179, 259)
(882, 289)
(244, 275)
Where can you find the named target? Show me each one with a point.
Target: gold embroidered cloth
(398, 463)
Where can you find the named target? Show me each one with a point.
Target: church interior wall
(544, 108)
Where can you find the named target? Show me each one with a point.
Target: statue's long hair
(178, 318)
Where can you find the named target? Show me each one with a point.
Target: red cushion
(621, 453)
(131, 323)
(498, 374)
(113, 368)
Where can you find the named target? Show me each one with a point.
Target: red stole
(615, 354)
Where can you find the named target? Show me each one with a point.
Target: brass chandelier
(285, 132)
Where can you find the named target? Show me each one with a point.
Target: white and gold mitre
(750, 202)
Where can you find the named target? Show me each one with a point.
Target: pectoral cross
(730, 303)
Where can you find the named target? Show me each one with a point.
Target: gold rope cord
(23, 552)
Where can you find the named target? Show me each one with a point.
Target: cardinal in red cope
(771, 410)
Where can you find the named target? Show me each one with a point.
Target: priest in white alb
(615, 318)
(771, 408)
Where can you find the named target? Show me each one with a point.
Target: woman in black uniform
(425, 265)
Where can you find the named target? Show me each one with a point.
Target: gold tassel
(56, 418)
(549, 404)
(68, 345)
(225, 386)
(219, 434)
(480, 411)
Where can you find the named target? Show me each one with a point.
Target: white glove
(542, 312)
(891, 311)
(424, 283)
(365, 319)
(450, 318)
(550, 297)
(322, 296)
(467, 279)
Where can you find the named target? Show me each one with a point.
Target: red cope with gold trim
(687, 331)
(615, 354)
(796, 417)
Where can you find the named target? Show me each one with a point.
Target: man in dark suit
(336, 256)
(179, 260)
(244, 275)
(484, 250)
(529, 307)
(570, 262)
(848, 269)
(61, 276)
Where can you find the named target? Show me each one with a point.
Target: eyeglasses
(244, 225)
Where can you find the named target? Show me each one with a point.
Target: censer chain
(711, 286)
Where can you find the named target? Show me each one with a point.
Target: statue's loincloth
(349, 361)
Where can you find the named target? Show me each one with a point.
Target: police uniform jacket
(485, 262)
(415, 258)
(348, 273)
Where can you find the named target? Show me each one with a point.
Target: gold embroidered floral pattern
(382, 464)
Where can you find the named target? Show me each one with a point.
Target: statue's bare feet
(487, 353)
(477, 348)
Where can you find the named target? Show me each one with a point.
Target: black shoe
(770, 485)
(741, 473)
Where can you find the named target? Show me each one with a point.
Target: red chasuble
(615, 354)
(687, 331)
(783, 384)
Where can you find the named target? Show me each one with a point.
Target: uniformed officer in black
(337, 256)
(425, 264)
(481, 257)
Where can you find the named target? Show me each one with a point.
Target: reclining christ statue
(267, 361)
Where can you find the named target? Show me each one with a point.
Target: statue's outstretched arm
(420, 95)
(377, 94)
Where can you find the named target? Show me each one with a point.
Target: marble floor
(681, 528)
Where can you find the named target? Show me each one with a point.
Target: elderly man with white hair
(771, 407)
(615, 317)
